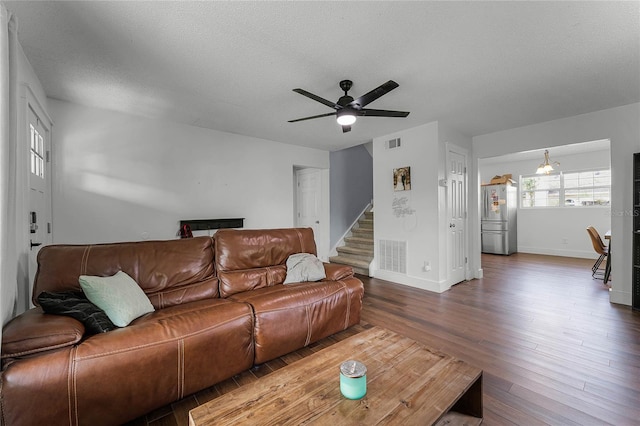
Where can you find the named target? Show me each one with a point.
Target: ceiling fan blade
(346, 129)
(315, 116)
(381, 113)
(317, 98)
(375, 94)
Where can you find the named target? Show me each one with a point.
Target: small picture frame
(402, 179)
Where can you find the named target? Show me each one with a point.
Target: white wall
(621, 126)
(419, 151)
(119, 177)
(558, 231)
(424, 150)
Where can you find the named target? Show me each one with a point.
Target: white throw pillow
(302, 267)
(119, 296)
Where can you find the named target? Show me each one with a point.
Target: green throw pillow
(119, 296)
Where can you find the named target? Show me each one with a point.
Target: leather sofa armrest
(337, 272)
(34, 331)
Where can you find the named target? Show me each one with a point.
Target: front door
(456, 214)
(39, 192)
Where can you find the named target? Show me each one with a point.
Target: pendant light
(546, 168)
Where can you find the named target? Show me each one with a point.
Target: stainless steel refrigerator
(498, 223)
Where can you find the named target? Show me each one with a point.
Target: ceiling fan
(347, 108)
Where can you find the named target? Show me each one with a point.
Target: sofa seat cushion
(35, 331)
(112, 378)
(164, 325)
(288, 317)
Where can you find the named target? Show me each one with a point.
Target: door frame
(465, 153)
(322, 236)
(28, 100)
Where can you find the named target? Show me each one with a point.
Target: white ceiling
(477, 66)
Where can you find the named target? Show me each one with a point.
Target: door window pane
(37, 152)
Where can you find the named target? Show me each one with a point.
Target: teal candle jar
(353, 379)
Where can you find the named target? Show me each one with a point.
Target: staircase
(358, 249)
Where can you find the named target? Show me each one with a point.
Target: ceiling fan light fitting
(345, 118)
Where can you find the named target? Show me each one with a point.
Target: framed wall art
(402, 179)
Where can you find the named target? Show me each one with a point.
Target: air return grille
(393, 256)
(393, 143)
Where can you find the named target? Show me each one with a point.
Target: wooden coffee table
(407, 383)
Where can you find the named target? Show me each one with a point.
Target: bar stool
(600, 249)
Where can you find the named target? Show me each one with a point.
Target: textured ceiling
(477, 66)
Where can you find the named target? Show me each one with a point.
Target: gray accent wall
(351, 187)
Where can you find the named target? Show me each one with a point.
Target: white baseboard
(619, 297)
(584, 254)
(435, 286)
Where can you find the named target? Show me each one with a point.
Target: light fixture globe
(346, 117)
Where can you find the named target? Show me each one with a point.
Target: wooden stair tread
(360, 231)
(356, 250)
(358, 240)
(345, 260)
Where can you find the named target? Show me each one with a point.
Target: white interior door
(309, 202)
(309, 184)
(39, 191)
(457, 214)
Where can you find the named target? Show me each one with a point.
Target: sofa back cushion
(170, 272)
(247, 259)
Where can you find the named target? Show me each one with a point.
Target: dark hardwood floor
(553, 349)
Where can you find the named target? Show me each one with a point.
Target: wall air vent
(393, 143)
(392, 256)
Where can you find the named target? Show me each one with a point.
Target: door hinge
(48, 227)
(465, 259)
(48, 156)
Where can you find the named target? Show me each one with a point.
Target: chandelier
(546, 168)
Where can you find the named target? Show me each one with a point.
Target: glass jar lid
(353, 368)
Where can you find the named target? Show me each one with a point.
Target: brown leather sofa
(220, 306)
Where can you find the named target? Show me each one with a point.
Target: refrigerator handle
(485, 203)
